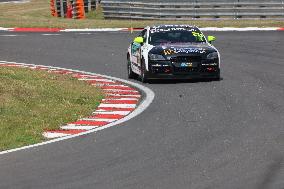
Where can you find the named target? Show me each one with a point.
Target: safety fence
(192, 9)
(72, 8)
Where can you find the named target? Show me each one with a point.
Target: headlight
(156, 57)
(212, 55)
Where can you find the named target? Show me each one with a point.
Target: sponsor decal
(189, 50)
(168, 28)
(189, 64)
(174, 50)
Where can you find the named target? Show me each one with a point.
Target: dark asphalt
(197, 135)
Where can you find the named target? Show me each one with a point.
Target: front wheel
(218, 78)
(144, 76)
(130, 73)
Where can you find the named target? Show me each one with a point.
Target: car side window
(143, 34)
(136, 46)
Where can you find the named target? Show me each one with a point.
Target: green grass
(33, 101)
(37, 14)
(97, 15)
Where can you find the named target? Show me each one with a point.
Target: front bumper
(168, 70)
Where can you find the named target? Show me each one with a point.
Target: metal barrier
(192, 9)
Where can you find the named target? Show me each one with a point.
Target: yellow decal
(199, 36)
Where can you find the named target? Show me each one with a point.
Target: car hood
(184, 48)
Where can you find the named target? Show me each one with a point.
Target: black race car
(173, 52)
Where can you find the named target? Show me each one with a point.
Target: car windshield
(176, 37)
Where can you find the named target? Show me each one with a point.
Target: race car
(172, 52)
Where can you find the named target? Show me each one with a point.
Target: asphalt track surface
(220, 134)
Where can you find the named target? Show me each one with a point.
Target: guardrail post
(56, 7)
(61, 9)
(97, 4)
(194, 9)
(130, 11)
(89, 6)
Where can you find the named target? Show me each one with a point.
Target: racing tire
(144, 75)
(130, 73)
(218, 78)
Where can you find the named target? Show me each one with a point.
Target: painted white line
(238, 29)
(97, 80)
(84, 33)
(149, 97)
(50, 34)
(80, 127)
(120, 99)
(11, 35)
(123, 95)
(35, 67)
(117, 105)
(111, 112)
(5, 29)
(50, 69)
(119, 90)
(51, 135)
(119, 85)
(97, 119)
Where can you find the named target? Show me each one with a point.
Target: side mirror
(139, 40)
(211, 38)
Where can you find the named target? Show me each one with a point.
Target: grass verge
(37, 14)
(33, 101)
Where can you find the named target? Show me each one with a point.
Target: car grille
(184, 70)
(180, 59)
(185, 64)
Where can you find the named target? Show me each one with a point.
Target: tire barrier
(53, 8)
(72, 8)
(78, 11)
(192, 9)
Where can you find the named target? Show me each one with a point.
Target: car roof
(166, 28)
(173, 26)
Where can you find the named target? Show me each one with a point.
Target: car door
(136, 53)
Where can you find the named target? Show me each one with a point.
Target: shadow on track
(175, 81)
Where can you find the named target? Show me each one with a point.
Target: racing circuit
(219, 134)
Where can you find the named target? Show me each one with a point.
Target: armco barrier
(79, 7)
(192, 9)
